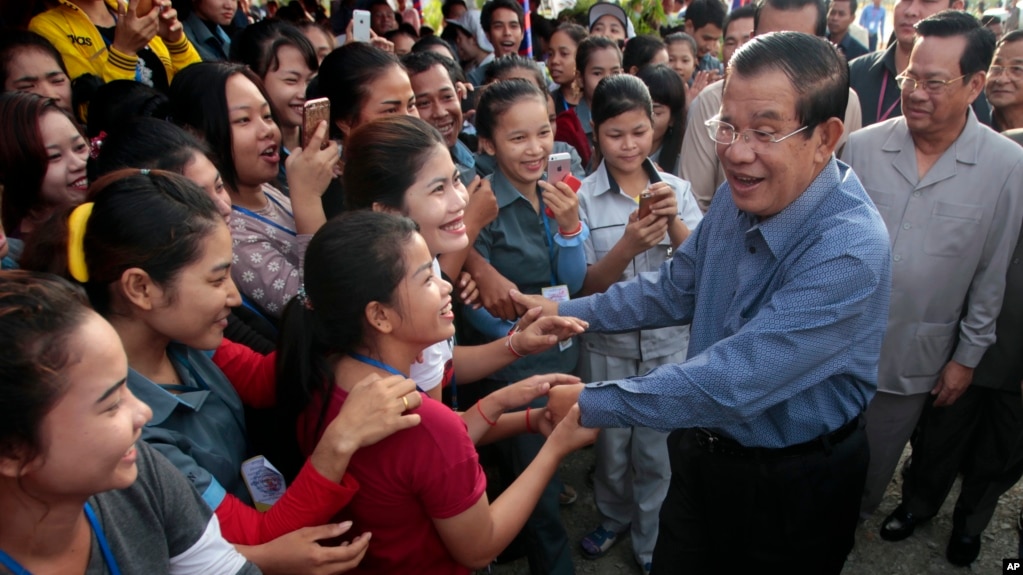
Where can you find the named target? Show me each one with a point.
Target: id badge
(265, 484)
(558, 293)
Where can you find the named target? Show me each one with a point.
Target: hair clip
(303, 298)
(76, 224)
(96, 144)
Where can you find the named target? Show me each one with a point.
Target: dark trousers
(980, 435)
(733, 514)
(872, 39)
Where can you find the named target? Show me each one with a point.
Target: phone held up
(313, 112)
(559, 169)
(647, 198)
(360, 27)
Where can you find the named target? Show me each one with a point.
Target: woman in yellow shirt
(109, 39)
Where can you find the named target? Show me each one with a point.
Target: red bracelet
(480, 409)
(529, 428)
(508, 344)
(578, 230)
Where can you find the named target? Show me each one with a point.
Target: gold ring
(405, 401)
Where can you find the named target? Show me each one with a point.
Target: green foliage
(432, 16)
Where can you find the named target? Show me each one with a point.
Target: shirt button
(897, 258)
(906, 226)
(752, 249)
(1015, 260)
(916, 194)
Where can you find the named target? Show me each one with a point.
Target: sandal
(598, 542)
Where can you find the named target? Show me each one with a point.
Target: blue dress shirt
(787, 318)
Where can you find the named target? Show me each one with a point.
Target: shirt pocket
(953, 227)
(930, 349)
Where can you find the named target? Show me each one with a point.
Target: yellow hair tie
(76, 223)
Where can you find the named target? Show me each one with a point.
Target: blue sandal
(598, 542)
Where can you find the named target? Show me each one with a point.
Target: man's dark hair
(487, 13)
(852, 5)
(703, 12)
(980, 42)
(747, 11)
(814, 67)
(1014, 36)
(821, 27)
(419, 62)
(445, 8)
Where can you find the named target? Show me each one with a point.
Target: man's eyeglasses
(907, 84)
(1015, 72)
(757, 140)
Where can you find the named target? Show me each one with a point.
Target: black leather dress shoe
(962, 549)
(899, 525)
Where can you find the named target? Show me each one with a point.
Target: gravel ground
(923, 553)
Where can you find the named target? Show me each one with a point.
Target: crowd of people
(242, 341)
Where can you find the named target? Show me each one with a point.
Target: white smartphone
(360, 29)
(558, 167)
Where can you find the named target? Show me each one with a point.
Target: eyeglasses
(907, 84)
(757, 140)
(1015, 72)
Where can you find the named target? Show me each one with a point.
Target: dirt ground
(921, 554)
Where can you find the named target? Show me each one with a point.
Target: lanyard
(379, 365)
(266, 220)
(549, 239)
(880, 101)
(104, 547)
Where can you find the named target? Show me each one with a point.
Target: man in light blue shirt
(872, 18)
(786, 285)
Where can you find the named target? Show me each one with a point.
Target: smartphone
(646, 200)
(313, 112)
(143, 7)
(559, 169)
(558, 166)
(360, 29)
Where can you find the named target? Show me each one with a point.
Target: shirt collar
(778, 229)
(504, 191)
(162, 402)
(462, 156)
(204, 35)
(965, 146)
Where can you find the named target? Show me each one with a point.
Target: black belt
(719, 444)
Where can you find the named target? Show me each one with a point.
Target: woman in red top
(374, 302)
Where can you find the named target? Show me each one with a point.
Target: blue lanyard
(550, 240)
(380, 365)
(104, 547)
(265, 220)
